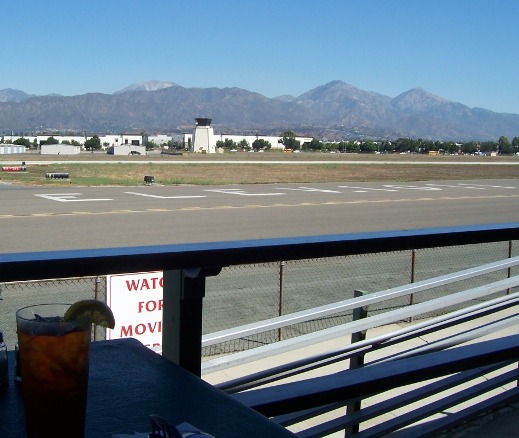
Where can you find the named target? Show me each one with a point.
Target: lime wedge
(91, 312)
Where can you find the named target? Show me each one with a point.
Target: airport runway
(49, 218)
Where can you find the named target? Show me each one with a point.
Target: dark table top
(128, 382)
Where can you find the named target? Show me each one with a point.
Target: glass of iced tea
(54, 358)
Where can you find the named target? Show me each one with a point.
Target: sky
(462, 50)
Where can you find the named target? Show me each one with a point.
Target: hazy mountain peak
(147, 86)
(333, 86)
(340, 90)
(12, 95)
(285, 98)
(417, 99)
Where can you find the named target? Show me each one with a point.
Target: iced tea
(54, 358)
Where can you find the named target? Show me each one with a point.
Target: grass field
(248, 168)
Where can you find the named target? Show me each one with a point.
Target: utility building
(203, 137)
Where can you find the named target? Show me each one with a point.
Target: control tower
(203, 137)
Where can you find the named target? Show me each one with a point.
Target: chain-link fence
(245, 294)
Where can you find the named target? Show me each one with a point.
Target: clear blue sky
(462, 50)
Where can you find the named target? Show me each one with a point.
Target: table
(128, 382)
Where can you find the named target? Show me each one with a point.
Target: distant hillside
(10, 95)
(334, 111)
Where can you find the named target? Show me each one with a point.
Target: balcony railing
(186, 267)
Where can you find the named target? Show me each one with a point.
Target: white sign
(136, 301)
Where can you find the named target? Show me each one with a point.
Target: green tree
(353, 147)
(288, 140)
(487, 147)
(469, 148)
(151, 145)
(368, 147)
(504, 145)
(244, 145)
(314, 145)
(23, 142)
(93, 143)
(404, 145)
(227, 144)
(386, 147)
(260, 144)
(52, 140)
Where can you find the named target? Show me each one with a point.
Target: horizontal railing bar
(355, 326)
(364, 347)
(415, 415)
(449, 319)
(387, 405)
(425, 411)
(88, 262)
(453, 340)
(457, 418)
(352, 303)
(290, 397)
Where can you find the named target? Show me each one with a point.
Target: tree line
(401, 145)
(408, 145)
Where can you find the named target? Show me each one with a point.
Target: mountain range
(333, 111)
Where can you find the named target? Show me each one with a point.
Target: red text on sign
(150, 306)
(145, 283)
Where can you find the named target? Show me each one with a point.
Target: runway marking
(467, 186)
(242, 192)
(251, 206)
(406, 187)
(70, 197)
(166, 197)
(309, 189)
(367, 189)
(487, 185)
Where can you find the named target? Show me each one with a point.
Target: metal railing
(186, 267)
(228, 361)
(491, 310)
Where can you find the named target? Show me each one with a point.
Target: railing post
(183, 294)
(356, 361)
(280, 305)
(412, 279)
(510, 252)
(413, 268)
(99, 332)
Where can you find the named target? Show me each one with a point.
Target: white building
(59, 149)
(127, 149)
(11, 149)
(110, 140)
